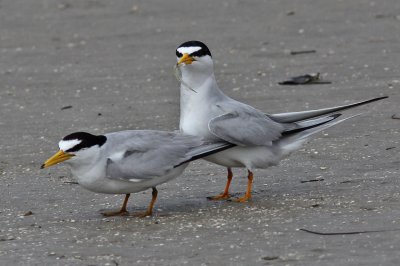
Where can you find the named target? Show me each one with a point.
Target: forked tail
(293, 139)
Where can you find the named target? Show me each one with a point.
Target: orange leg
(247, 196)
(225, 194)
(149, 211)
(121, 212)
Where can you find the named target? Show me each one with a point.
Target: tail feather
(308, 124)
(293, 141)
(205, 150)
(299, 116)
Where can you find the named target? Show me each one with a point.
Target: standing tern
(261, 139)
(129, 161)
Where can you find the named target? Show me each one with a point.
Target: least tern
(261, 139)
(129, 161)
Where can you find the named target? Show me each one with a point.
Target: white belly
(102, 184)
(249, 157)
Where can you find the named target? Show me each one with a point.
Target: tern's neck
(194, 106)
(196, 79)
(84, 166)
(204, 88)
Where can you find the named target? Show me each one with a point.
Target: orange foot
(142, 214)
(245, 198)
(116, 213)
(223, 196)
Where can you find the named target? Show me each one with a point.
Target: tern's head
(76, 147)
(195, 56)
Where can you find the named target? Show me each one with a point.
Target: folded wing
(245, 126)
(142, 155)
(149, 154)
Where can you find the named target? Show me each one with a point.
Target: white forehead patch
(68, 144)
(189, 50)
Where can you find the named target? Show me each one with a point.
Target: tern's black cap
(199, 53)
(87, 140)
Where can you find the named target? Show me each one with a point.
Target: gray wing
(143, 155)
(298, 116)
(243, 125)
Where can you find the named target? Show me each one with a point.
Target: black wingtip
(363, 102)
(383, 97)
(376, 99)
(358, 104)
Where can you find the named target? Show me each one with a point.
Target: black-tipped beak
(59, 157)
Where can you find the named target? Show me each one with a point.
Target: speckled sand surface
(112, 62)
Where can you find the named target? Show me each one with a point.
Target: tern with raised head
(261, 139)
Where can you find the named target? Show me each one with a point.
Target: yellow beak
(59, 157)
(185, 59)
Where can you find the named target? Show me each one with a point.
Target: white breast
(197, 109)
(94, 179)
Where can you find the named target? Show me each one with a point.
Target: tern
(130, 161)
(261, 140)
